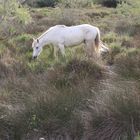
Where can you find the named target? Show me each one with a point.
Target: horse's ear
(37, 40)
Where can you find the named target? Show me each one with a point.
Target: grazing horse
(61, 36)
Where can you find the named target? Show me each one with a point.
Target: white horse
(61, 36)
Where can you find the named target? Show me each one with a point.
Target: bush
(48, 3)
(128, 63)
(127, 27)
(14, 18)
(75, 3)
(109, 3)
(114, 112)
(76, 71)
(63, 3)
(110, 37)
(68, 17)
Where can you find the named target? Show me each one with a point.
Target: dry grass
(128, 64)
(49, 103)
(113, 112)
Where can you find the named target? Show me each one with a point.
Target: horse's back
(89, 31)
(60, 26)
(74, 29)
(88, 27)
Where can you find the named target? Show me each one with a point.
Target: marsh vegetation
(76, 99)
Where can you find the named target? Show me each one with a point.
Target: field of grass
(76, 99)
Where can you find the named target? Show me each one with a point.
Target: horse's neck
(44, 41)
(44, 38)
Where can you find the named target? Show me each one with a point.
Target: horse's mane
(63, 26)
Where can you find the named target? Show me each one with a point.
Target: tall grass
(50, 103)
(77, 98)
(114, 112)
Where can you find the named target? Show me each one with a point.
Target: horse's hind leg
(90, 49)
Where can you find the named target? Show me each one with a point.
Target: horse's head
(37, 48)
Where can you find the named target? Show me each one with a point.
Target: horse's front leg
(62, 49)
(55, 51)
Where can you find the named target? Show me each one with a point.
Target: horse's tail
(103, 48)
(97, 41)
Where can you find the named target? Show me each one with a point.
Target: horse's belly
(73, 39)
(72, 43)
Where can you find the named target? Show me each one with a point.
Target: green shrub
(67, 17)
(115, 49)
(108, 3)
(75, 3)
(78, 70)
(48, 3)
(23, 38)
(22, 42)
(110, 37)
(14, 18)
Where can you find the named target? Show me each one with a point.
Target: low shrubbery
(42, 3)
(110, 37)
(14, 18)
(50, 103)
(128, 63)
(74, 3)
(48, 3)
(64, 3)
(110, 3)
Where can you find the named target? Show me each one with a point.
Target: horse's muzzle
(34, 57)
